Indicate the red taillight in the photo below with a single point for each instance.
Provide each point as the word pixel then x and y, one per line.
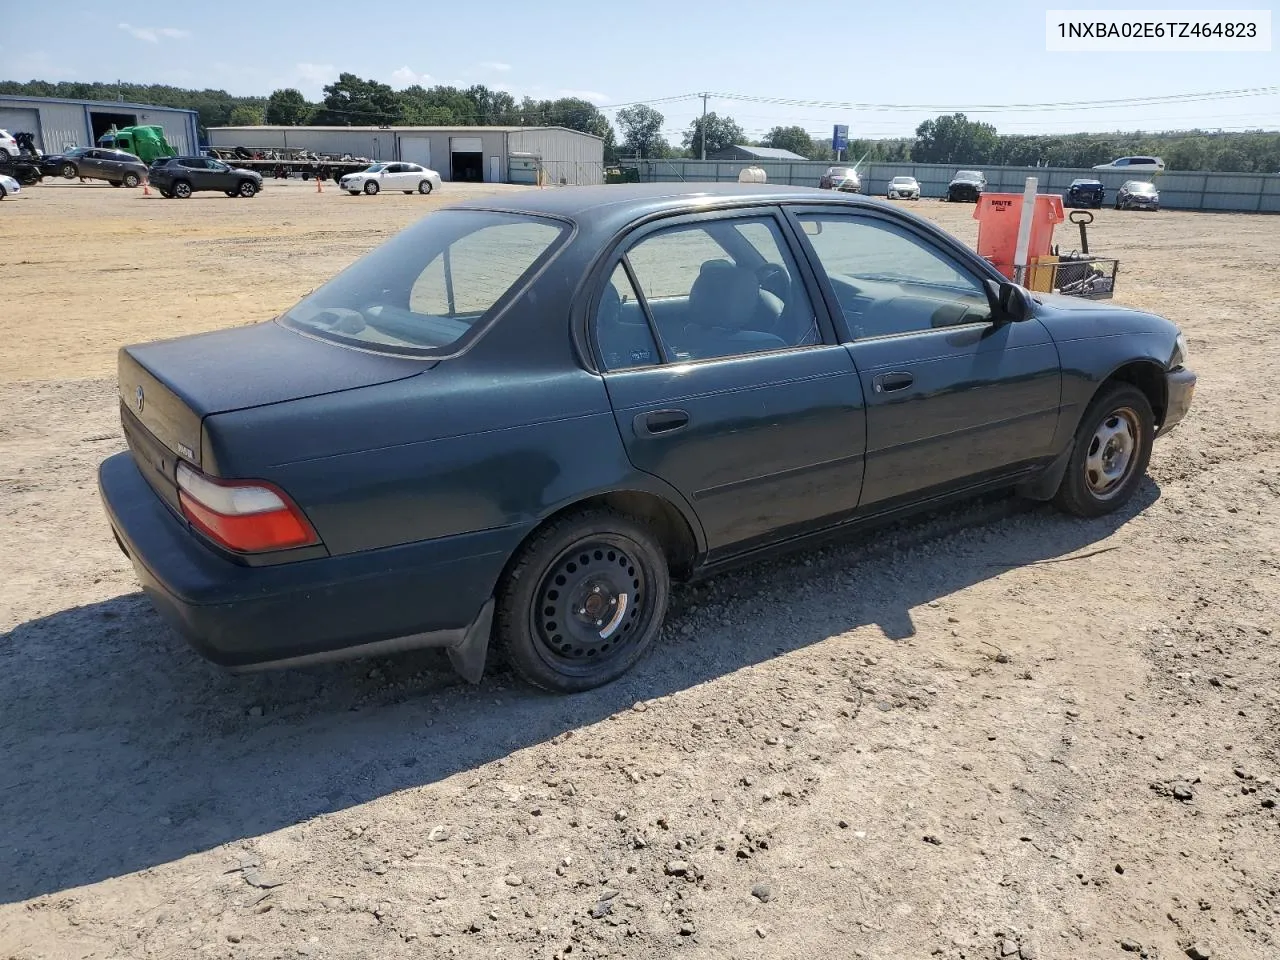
pixel 247 516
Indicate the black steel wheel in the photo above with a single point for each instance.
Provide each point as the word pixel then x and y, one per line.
pixel 1112 450
pixel 583 601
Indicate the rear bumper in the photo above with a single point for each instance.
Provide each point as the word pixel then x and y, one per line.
pixel 1181 386
pixel 434 593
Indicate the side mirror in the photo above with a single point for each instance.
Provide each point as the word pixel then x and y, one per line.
pixel 1009 302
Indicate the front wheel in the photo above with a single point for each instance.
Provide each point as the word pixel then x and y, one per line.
pixel 584 599
pixel 182 190
pixel 1112 450
pixel 371 188
pixel 131 180
pixel 248 189
pixel 424 187
pixel 68 171
pixel 167 194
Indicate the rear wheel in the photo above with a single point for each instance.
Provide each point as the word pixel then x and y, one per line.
pixel 131 180
pixel 424 186
pixel 116 183
pixel 231 193
pixel 168 195
pixel 1112 450
pixel 583 601
pixel 371 187
pixel 3 194
pixel 182 190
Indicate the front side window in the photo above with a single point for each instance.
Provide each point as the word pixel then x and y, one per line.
pixel 889 281
pixel 425 289
pixel 722 288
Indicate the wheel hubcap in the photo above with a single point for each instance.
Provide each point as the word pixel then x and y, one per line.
pixel 591 606
pixel 1111 453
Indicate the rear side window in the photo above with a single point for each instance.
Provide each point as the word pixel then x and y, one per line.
pixel 427 288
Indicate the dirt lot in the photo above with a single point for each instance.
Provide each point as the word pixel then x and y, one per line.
pixel 996 730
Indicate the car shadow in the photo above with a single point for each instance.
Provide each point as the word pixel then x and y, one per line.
pixel 123 749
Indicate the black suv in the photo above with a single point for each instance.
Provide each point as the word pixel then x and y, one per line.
pixel 1084 192
pixel 182 176
pixel 117 167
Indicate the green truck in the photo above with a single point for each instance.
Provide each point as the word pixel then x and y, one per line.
pixel 145 143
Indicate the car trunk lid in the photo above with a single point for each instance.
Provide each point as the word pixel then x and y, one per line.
pixel 167 388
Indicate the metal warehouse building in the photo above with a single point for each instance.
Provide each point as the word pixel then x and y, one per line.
pixel 489 154
pixel 61 124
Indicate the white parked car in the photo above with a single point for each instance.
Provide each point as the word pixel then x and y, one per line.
pixel 405 177
pixel 9 186
pixel 903 188
pixel 1134 165
pixel 8 144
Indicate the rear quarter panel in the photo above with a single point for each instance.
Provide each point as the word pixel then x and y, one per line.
pixel 450 451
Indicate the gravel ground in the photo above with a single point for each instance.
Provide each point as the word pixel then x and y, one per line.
pixel 995 732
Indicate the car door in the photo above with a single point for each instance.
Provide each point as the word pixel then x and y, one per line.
pixel 219 175
pixel 723 379
pixel 91 164
pixel 953 397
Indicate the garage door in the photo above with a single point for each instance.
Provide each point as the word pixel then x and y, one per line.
pixel 416 150
pixel 21 120
pixel 466 145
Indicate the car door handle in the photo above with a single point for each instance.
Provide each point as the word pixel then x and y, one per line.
pixel 660 421
pixel 888 382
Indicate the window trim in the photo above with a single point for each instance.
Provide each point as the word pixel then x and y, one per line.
pixel 963 259
pixel 639 232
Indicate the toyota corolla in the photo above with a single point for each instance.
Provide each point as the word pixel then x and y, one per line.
pixel 518 420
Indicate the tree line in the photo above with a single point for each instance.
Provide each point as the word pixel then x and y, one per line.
pixel 953 139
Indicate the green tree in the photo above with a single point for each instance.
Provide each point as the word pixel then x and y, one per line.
pixel 721 133
pixel 287 108
pixel 954 139
pixel 642 132
pixel 350 100
pixel 797 140
pixel 245 116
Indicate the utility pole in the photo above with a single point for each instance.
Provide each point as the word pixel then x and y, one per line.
pixel 704 125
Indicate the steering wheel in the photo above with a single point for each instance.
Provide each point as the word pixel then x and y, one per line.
pixel 774 279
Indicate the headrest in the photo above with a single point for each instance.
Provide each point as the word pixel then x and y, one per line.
pixel 723 296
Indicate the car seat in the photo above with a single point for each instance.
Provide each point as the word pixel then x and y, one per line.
pixel 623 344
pixel 724 301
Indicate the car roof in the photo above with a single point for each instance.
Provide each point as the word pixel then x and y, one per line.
pixel 636 199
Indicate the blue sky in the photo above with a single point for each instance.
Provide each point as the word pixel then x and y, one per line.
pixel 948 53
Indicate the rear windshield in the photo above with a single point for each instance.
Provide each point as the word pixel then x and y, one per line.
pixel 426 289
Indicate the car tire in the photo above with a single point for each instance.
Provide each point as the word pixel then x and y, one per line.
pixel 354 193
pixel 573 576
pixel 115 183
pixel 371 188
pixel 424 187
pixel 182 190
pixel 131 180
pixel 231 193
pixel 1111 453
pixel 167 194
pixel 68 171
pixel 247 189
pixel 2 192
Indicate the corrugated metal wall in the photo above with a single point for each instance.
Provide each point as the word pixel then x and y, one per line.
pixel 568 156
pixel 1253 193
pixel 64 125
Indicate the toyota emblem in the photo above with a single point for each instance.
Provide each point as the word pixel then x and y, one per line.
pixel 138 398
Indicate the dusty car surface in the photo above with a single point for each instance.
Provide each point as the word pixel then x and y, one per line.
pixel 522 416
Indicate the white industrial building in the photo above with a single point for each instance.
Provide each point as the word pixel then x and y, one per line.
pixel 60 124
pixel 489 154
